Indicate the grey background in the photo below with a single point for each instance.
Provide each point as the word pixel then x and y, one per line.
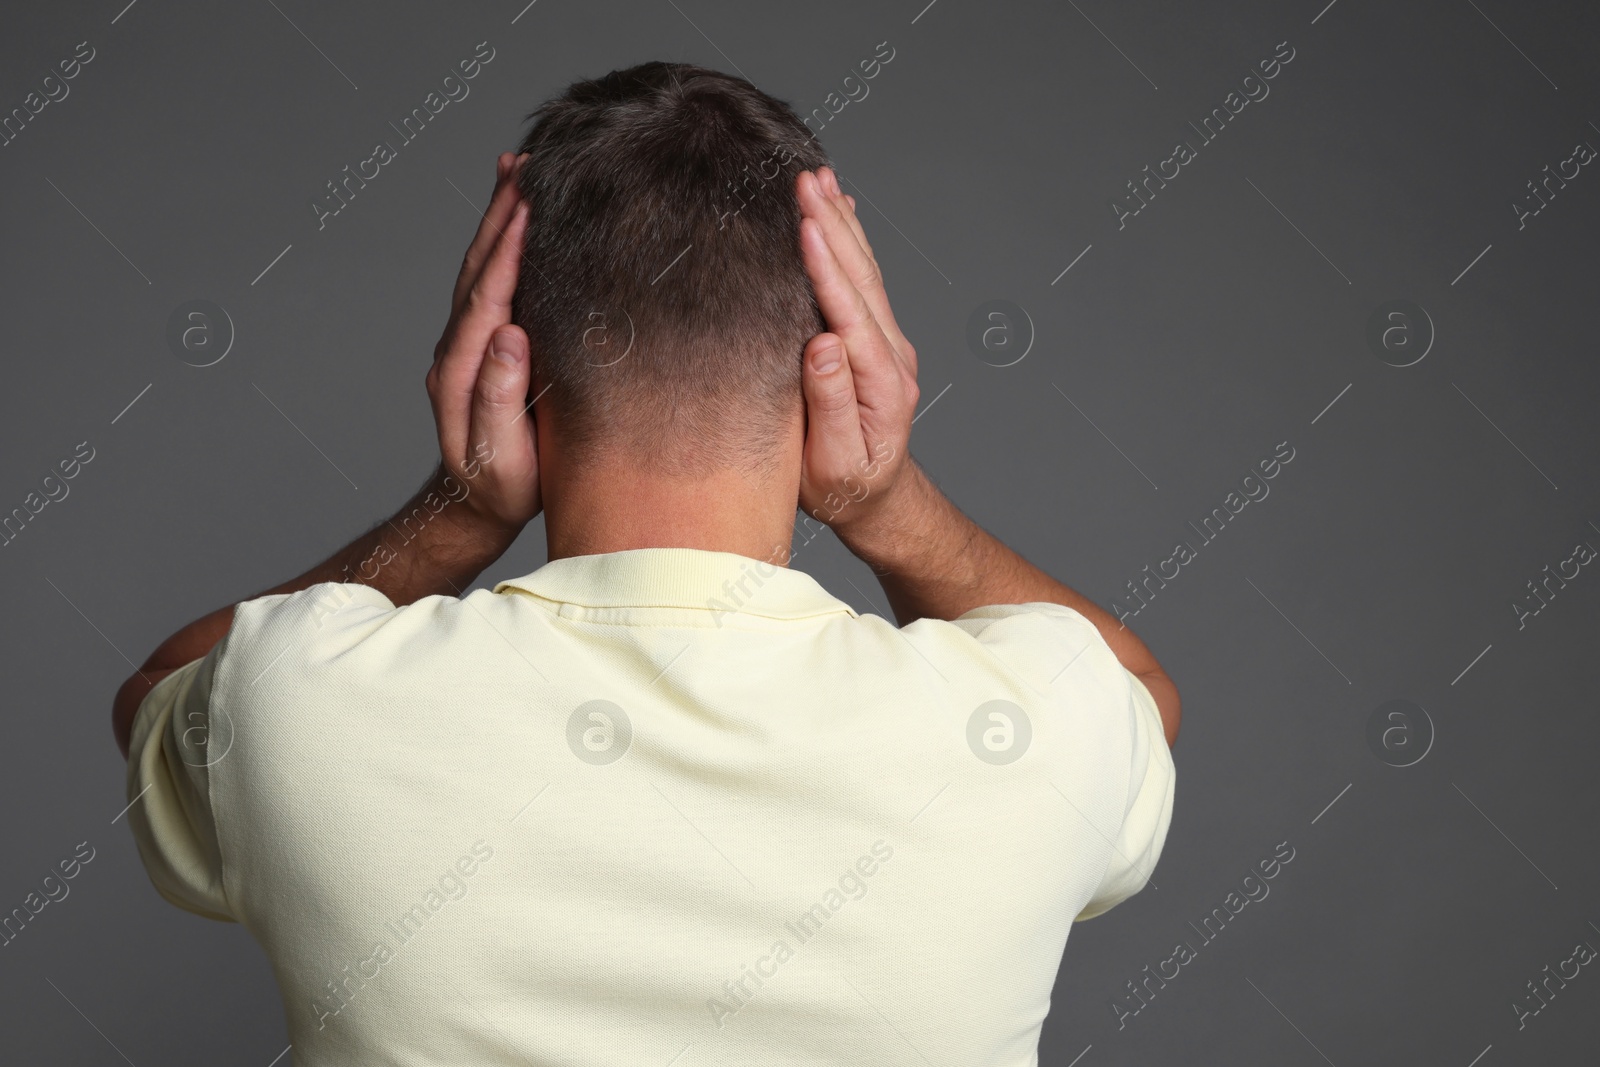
pixel 1223 319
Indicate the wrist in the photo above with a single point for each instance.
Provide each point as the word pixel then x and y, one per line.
pixel 929 557
pixel 465 533
pixel 895 533
pixel 435 542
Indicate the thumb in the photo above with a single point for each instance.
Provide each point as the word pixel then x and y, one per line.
pixel 833 422
pixel 500 393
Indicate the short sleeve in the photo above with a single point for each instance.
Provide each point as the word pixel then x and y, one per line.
pixel 1151 781
pixel 177 739
pixel 1052 645
pixel 182 736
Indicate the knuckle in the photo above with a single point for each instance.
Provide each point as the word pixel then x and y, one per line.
pixel 835 402
pixel 492 392
pixel 860 310
pixel 496 391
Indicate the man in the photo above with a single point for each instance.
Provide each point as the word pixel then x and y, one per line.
pixel 664 800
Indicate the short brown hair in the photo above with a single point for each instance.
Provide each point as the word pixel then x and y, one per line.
pixel 664 217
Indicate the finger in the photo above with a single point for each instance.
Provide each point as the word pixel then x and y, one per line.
pixel 892 327
pixel 486 307
pixel 490 223
pixel 501 204
pixel 499 426
pixel 847 207
pixel 818 203
pixel 873 361
pixel 834 443
pixel 857 262
pixel 496 284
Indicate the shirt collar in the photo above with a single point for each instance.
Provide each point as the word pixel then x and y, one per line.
pixel 718 582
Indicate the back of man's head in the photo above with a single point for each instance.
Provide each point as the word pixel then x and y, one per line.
pixel 663 289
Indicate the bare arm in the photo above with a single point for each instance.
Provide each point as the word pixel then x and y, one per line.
pixel 448 553
pixel 935 562
pixel 484 490
pixel 860 382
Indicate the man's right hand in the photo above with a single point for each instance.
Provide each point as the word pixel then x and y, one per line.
pixel 860 377
pixel 479 380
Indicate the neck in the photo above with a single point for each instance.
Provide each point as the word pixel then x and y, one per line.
pixel 616 506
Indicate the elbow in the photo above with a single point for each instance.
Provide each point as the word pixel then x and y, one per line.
pixel 125 705
pixel 1165 694
pixel 130 697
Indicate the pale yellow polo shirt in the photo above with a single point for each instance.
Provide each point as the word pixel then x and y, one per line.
pixel 658 808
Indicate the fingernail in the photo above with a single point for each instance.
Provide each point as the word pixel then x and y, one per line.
pixel 505 351
pixel 825 361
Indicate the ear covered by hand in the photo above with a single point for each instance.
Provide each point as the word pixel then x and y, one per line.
pixel 479 381
pixel 860 377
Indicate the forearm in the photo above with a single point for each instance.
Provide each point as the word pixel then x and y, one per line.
pixel 433 545
pixel 935 562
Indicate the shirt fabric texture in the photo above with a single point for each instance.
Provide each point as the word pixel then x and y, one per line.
pixel 655 806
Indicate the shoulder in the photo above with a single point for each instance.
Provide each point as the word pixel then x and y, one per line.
pixel 290 634
pixel 996 623
pixel 1050 645
pixel 336 631
pixel 305 616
